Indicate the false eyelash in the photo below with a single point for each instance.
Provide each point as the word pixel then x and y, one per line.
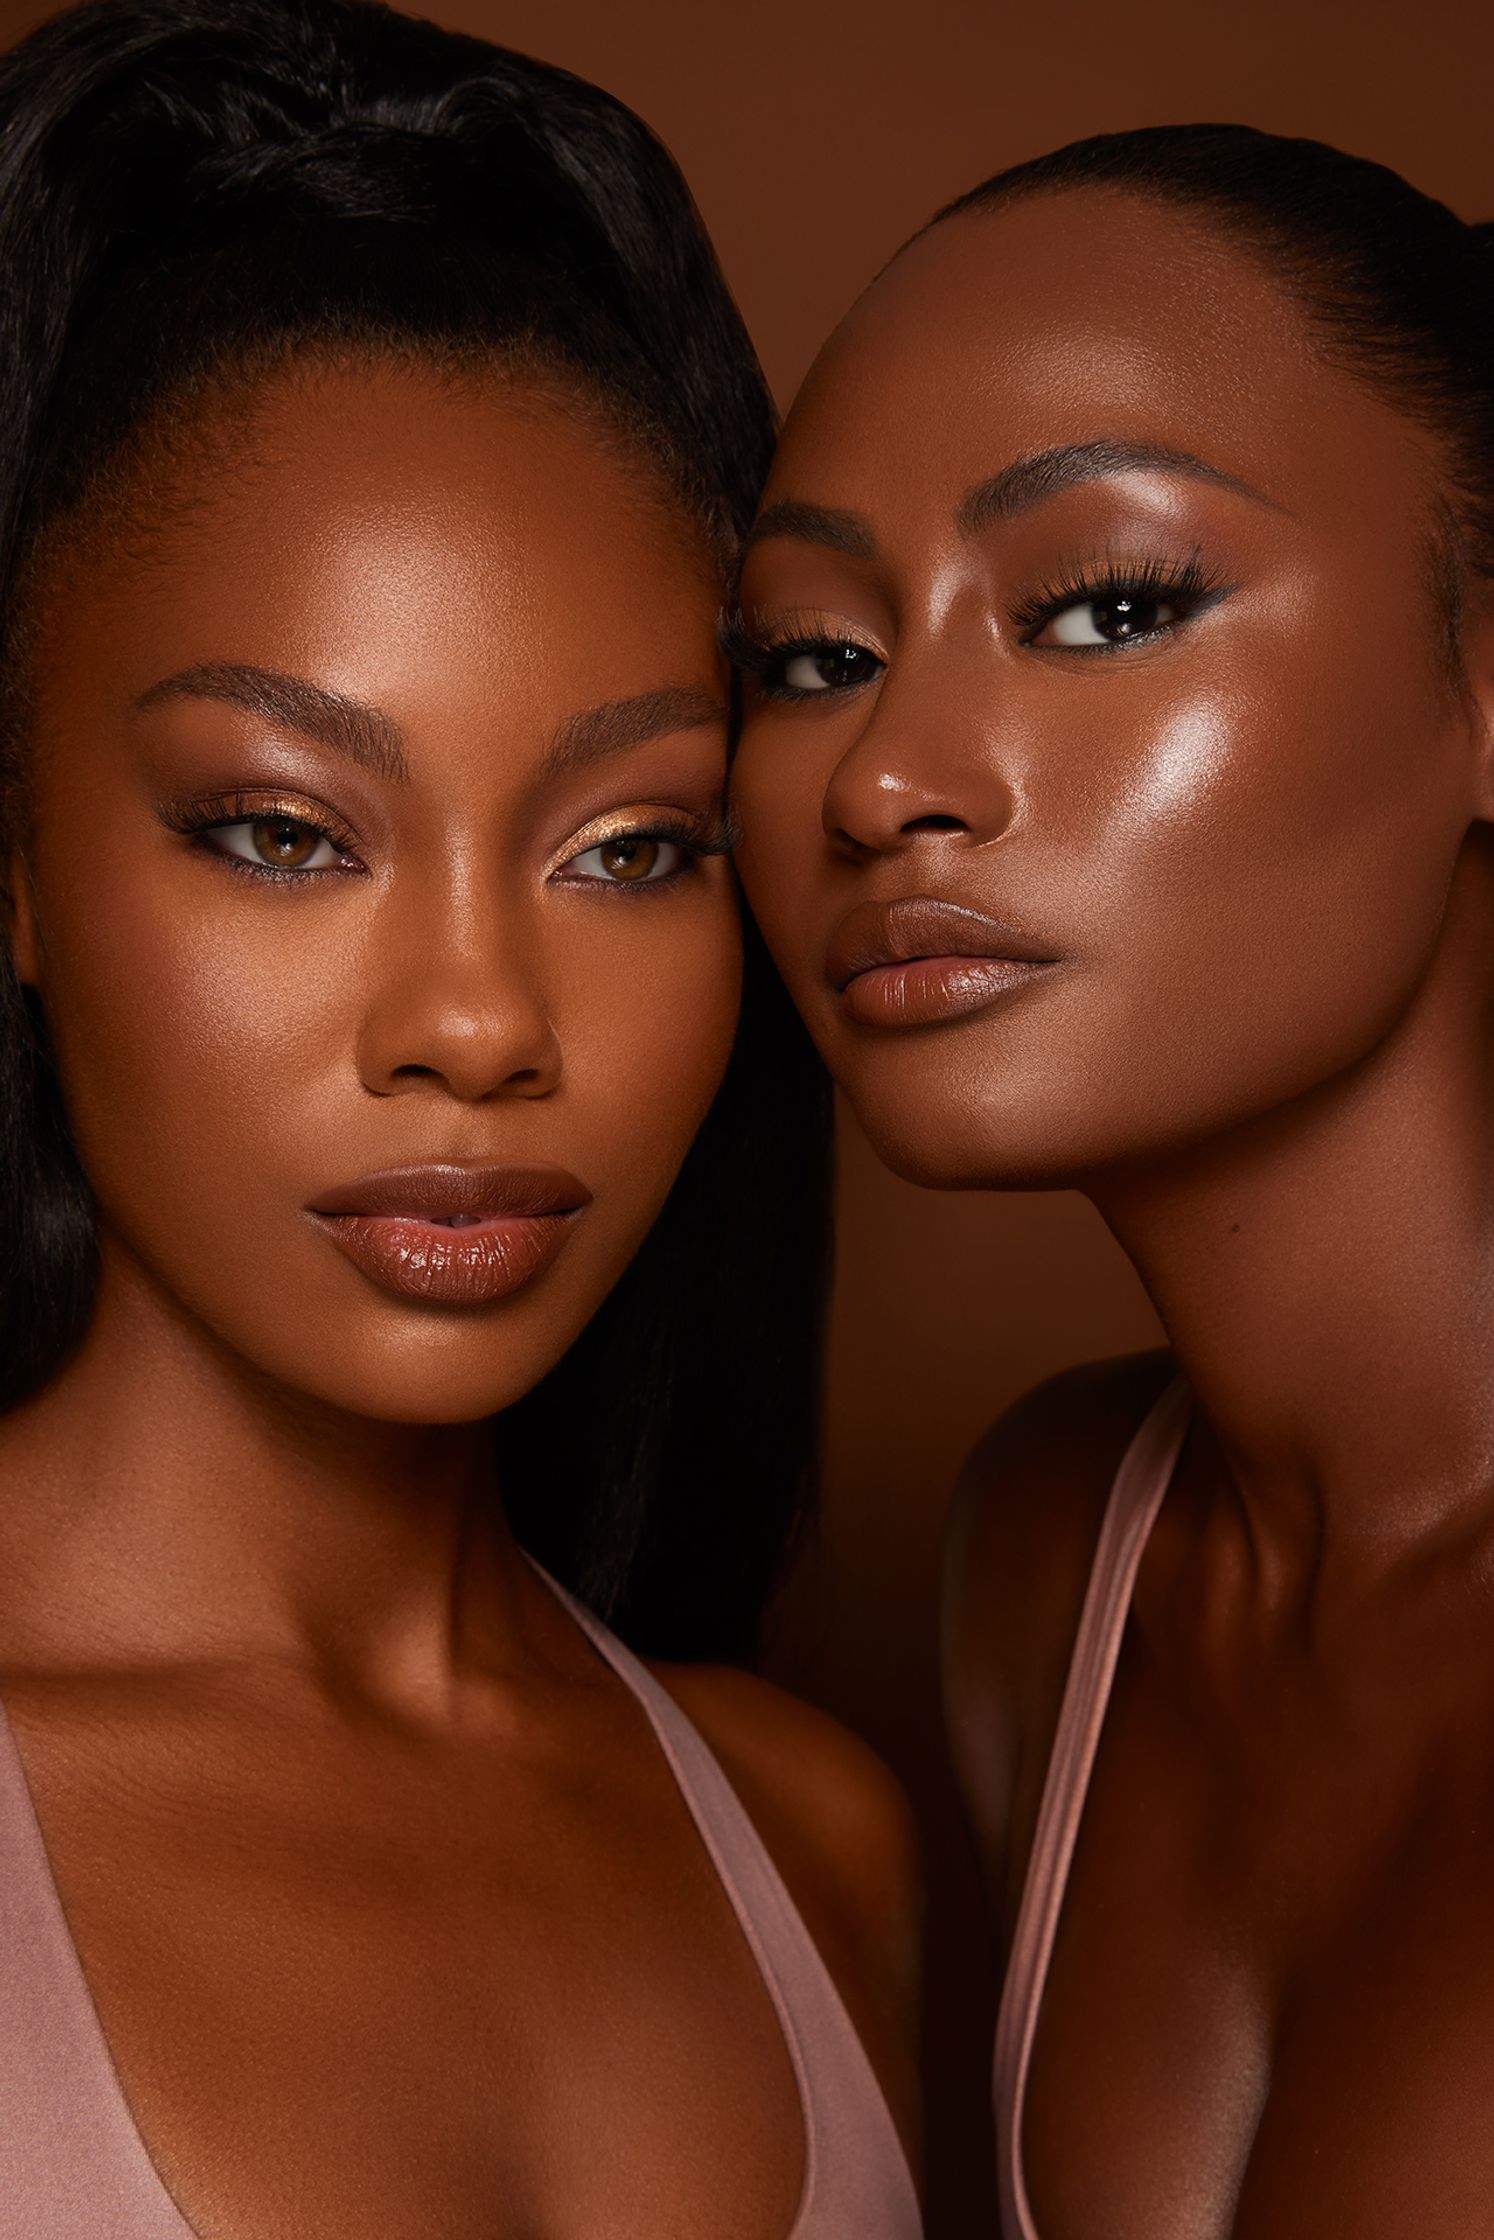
pixel 739 646
pixel 763 656
pixel 715 836
pixel 204 812
pixel 718 835
pixel 1187 585
pixel 795 632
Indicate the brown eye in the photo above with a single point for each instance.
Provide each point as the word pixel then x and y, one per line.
pixel 1108 622
pixel 276 844
pixel 827 668
pixel 629 859
pixel 630 856
pixel 283 842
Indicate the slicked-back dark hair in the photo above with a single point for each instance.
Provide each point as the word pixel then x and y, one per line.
pixel 1398 289
pixel 193 188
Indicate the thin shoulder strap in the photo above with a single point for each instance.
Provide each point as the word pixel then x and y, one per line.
pixel 856 2176
pixel 1135 1497
pixel 72 2159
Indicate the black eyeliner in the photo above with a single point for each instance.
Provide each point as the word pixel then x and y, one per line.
pixel 1188 585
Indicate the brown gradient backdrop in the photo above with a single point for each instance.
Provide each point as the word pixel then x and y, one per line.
pixel 817 135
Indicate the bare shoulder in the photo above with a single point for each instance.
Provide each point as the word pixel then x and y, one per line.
pixel 1027 1512
pixel 840 1831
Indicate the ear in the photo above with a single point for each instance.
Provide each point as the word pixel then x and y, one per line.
pixel 22 934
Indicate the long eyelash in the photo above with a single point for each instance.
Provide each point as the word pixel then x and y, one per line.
pixel 761 654
pixel 713 836
pixel 794 632
pixel 742 646
pixel 204 812
pixel 718 835
pixel 1188 585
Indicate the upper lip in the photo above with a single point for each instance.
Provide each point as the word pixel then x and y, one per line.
pixel 919 925
pixel 435 1192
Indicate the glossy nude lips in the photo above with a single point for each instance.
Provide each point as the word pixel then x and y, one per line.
pixel 452 1235
pixel 914 962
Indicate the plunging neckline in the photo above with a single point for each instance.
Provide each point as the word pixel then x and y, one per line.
pixel 29 1889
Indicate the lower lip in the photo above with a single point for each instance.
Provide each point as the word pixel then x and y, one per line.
pixel 431 1262
pixel 928 989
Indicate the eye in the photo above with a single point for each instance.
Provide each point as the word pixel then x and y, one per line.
pixel 1108 621
pixel 275 843
pixel 801 656
pixel 632 859
pixel 825 668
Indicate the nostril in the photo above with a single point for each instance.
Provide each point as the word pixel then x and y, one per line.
pixel 935 824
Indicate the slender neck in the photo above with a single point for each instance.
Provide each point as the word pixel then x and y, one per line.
pixel 1326 1277
pixel 164 1501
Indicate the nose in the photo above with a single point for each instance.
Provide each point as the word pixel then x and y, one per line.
pixel 900 781
pixel 460 1010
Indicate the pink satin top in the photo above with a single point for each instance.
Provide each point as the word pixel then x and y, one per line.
pixel 1135 1497
pixel 73 2165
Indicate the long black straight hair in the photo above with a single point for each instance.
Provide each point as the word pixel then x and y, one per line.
pixel 193 189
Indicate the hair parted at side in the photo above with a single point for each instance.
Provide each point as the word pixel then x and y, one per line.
pixel 190 189
pixel 1399 290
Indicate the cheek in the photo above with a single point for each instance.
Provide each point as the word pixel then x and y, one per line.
pixel 192 1039
pixel 1291 840
pixel 778 795
pixel 1258 880
pixel 649 992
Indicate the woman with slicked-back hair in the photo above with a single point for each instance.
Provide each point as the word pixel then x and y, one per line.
pixel 1117 790
pixel 412 1219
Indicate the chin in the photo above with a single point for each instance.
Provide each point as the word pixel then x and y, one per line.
pixel 953 1118
pixel 953 1149
pixel 429 1400
pixel 431 1376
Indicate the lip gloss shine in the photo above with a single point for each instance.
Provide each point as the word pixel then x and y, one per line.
pixel 453 1235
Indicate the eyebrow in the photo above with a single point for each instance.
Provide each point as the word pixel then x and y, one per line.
pixel 365 735
pixel 1044 474
pixel 618 725
pixel 826 525
pixel 372 739
pixel 1026 482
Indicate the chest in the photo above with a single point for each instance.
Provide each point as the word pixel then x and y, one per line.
pixel 497 1993
pixel 1270 2009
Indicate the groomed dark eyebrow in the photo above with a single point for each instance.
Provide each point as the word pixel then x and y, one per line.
pixel 1043 474
pixel 617 725
pixel 365 735
pixel 826 525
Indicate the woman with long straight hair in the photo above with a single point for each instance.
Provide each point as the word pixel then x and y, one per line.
pixel 413 1220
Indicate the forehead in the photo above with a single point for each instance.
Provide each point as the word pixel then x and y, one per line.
pixel 1075 316
pixel 395 530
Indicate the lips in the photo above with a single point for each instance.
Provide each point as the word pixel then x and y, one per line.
pixel 917 961
pixel 451 1234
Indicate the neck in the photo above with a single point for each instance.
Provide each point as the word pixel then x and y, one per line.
pixel 1326 1277
pixel 167 1503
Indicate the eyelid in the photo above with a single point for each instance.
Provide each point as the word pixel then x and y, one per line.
pixel 1188 583
pixel 746 642
pixel 714 834
pixel 207 812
